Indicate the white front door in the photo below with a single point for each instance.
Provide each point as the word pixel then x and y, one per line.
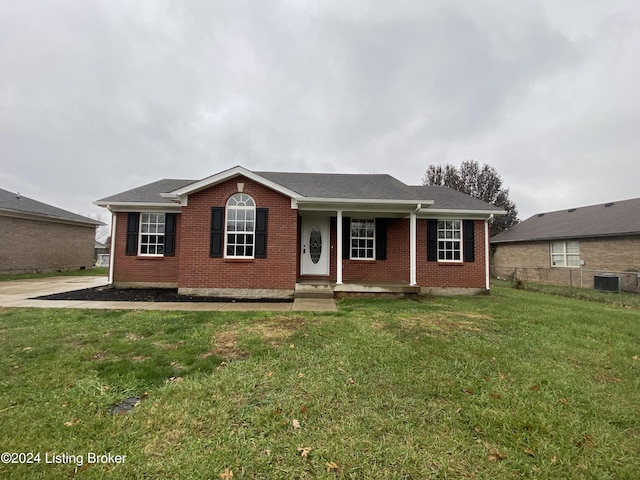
pixel 314 246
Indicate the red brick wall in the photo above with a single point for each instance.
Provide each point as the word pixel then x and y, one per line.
pixel 445 274
pixel 394 268
pixel 143 269
pixel 397 265
pixel 198 270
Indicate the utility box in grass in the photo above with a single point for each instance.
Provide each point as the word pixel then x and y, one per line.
pixel 606 282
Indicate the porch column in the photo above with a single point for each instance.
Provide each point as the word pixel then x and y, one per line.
pixel 412 249
pixel 487 272
pixel 112 251
pixel 339 247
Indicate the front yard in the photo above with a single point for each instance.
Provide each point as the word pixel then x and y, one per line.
pixel 516 384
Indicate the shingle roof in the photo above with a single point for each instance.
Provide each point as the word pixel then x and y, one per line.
pixel 149 193
pixel 446 198
pixel 324 186
pixel 19 204
pixel 339 185
pixel 605 219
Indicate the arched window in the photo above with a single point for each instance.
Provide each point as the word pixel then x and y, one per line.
pixel 240 227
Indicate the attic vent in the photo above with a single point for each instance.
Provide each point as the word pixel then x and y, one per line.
pixel 541 215
pixel 571 210
pixel 610 204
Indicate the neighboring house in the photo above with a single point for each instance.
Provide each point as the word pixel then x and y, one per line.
pixel 36 237
pixel 603 237
pixel 241 233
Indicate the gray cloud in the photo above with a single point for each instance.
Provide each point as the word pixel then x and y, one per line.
pixel 100 96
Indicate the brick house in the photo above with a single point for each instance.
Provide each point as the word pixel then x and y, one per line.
pixel 248 234
pixel 596 238
pixel 36 237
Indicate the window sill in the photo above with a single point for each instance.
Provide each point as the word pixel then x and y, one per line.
pixel 440 262
pixel 238 260
pixel 363 260
pixel 150 257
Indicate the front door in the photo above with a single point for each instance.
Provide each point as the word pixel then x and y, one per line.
pixel 314 246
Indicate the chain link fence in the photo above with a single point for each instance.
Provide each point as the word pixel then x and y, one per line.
pixel 570 277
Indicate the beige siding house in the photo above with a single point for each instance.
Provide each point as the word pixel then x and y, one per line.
pixel 586 240
pixel 36 237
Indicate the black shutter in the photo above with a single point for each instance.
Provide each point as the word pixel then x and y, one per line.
pixel 381 238
pixel 468 235
pixel 133 222
pixel 217 231
pixel 432 240
pixel 169 234
pixel 346 237
pixel 261 232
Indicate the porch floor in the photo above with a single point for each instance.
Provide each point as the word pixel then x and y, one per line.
pixel 319 288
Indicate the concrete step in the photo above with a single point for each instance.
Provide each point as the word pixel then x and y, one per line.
pixel 306 290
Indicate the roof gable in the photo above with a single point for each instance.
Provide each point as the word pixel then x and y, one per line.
pixel 602 220
pixel 19 205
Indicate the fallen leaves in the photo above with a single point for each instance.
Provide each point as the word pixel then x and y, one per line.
pixel 296 424
pixel 332 467
pixel 495 456
pixel 304 451
pixel 227 474
pixel 72 423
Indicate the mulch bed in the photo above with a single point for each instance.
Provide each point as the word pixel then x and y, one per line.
pixel 110 294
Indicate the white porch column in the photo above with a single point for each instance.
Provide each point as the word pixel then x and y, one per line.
pixel 112 251
pixel 339 248
pixel 487 254
pixel 412 249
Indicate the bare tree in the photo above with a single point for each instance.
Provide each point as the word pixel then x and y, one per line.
pixel 484 183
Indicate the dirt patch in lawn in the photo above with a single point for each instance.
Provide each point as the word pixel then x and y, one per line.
pixel 273 332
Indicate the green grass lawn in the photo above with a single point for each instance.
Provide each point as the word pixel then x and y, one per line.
pixel 98 271
pixel 512 385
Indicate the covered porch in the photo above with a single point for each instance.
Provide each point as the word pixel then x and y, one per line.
pixel 321 288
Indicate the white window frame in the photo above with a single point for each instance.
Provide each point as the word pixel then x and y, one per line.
pixel 152 226
pixel 453 243
pixel 369 226
pixel 240 215
pixel 562 255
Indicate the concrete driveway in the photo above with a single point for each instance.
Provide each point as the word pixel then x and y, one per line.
pixel 18 293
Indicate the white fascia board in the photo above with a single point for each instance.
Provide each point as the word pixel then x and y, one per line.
pixel 139 207
pixel 359 204
pixel 226 175
pixel 458 213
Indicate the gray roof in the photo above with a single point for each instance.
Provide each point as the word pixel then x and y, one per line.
pixel 326 186
pixel 603 220
pixel 19 204
pixel 446 198
pixel 149 193
pixel 341 185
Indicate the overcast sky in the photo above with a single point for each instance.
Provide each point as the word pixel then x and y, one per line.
pixel 97 97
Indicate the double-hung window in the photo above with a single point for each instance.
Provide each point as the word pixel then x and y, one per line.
pixel 152 227
pixel 363 239
pixel 449 240
pixel 565 254
pixel 240 226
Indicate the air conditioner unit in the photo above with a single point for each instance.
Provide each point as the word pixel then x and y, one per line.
pixel 606 282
